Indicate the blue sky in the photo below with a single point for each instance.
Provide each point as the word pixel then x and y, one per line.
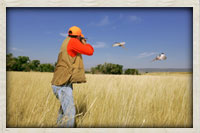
pixel 39 32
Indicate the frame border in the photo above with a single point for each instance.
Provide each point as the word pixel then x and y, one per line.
pixel 102 3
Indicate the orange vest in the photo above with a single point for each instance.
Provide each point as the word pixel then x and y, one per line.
pixel 68 69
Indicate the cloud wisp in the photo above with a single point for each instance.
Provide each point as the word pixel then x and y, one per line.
pixel 16 50
pixel 107 21
pixel 99 45
pixel 146 54
pixel 63 34
pixel 121 16
pixel 134 18
pixel 104 21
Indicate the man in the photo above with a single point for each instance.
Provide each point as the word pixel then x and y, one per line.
pixel 69 70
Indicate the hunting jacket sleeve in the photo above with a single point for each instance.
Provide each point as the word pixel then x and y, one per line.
pixel 75 46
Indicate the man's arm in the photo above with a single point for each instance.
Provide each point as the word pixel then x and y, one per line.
pixel 81 48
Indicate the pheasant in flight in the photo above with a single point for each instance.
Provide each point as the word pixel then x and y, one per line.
pixel 120 44
pixel 160 57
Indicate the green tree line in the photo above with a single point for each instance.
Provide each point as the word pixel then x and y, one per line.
pixel 23 63
pixel 109 68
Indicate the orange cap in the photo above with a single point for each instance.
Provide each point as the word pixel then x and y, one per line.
pixel 82 35
pixel 74 30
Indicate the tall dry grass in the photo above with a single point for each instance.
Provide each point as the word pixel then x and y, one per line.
pixel 104 101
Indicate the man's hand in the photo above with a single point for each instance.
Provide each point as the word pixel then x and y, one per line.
pixel 83 41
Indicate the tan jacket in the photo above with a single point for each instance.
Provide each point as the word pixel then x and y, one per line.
pixel 68 69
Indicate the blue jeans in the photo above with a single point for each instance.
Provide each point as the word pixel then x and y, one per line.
pixel 67 112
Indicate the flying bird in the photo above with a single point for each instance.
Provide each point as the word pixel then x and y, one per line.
pixel 120 44
pixel 160 57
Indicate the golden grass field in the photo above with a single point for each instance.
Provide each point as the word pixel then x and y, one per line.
pixel 150 100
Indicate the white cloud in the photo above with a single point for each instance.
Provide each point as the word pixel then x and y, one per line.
pixel 99 45
pixel 104 21
pixel 134 18
pixel 63 34
pixel 16 50
pixel 146 54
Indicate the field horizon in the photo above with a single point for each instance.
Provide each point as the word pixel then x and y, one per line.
pixel 144 70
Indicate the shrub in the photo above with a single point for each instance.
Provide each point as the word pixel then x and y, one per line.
pixel 107 68
pixel 131 71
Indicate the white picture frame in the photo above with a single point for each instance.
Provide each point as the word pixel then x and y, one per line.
pixel 100 3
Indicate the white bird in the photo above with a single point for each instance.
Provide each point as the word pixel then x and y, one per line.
pixel 121 44
pixel 160 57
